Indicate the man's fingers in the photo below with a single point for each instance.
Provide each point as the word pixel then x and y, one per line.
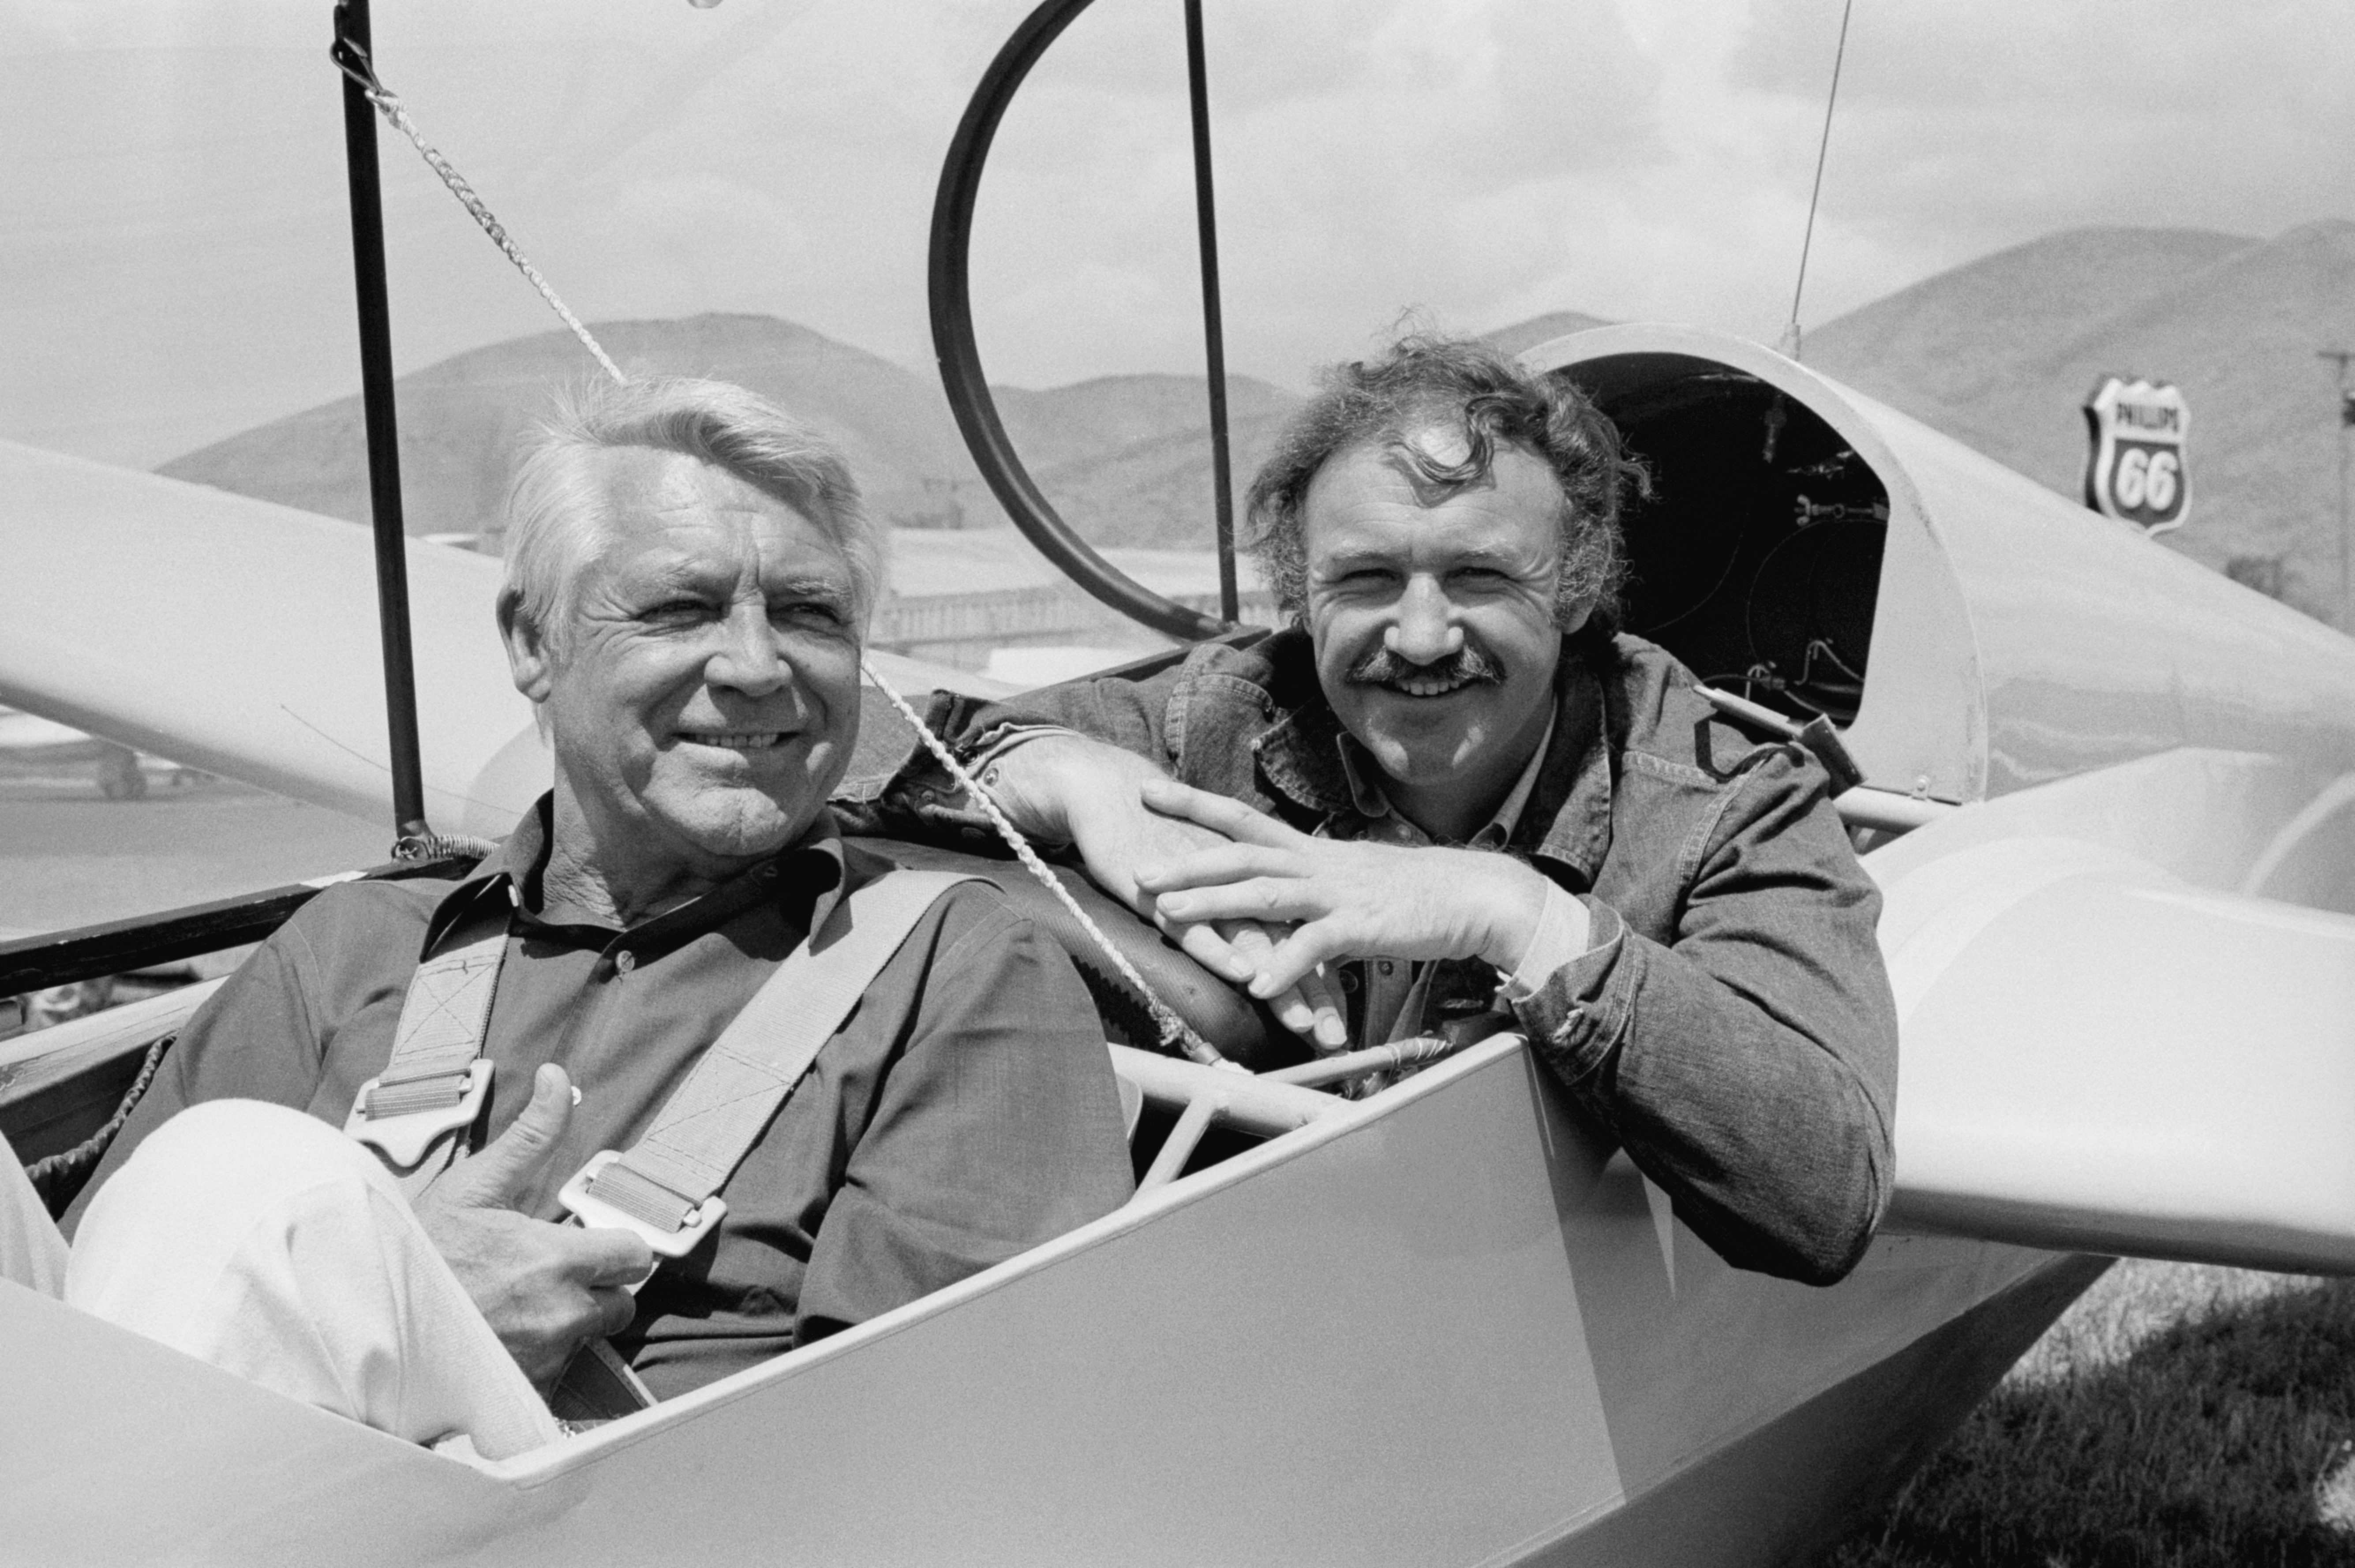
pixel 1257 898
pixel 1208 868
pixel 1231 817
pixel 1294 1012
pixel 616 1308
pixel 608 1255
pixel 1205 946
pixel 1295 957
pixel 1328 1024
pixel 1249 938
pixel 498 1176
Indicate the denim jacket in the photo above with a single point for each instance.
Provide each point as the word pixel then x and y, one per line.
pixel 1731 1022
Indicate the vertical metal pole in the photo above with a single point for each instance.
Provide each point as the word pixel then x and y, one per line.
pixel 2340 359
pixel 383 439
pixel 1206 227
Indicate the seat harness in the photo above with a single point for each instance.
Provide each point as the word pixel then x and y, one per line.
pixel 417 1113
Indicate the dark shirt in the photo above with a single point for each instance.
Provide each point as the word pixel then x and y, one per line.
pixel 964 1113
pixel 1731 1022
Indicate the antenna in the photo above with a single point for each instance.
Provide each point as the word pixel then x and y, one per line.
pixel 1790 344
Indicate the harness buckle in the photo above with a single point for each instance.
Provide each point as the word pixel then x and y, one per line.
pixel 401 1120
pixel 635 1202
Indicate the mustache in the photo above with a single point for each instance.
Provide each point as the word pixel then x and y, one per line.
pixel 1466 664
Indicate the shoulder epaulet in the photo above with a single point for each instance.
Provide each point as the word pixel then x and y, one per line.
pixel 1817 736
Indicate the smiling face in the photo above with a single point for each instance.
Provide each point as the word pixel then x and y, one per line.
pixel 1432 608
pixel 704 699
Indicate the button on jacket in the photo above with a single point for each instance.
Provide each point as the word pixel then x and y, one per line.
pixel 1731 1022
pixel 964 1113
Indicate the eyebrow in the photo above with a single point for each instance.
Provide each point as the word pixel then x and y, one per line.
pixel 685 572
pixel 824 590
pixel 1476 555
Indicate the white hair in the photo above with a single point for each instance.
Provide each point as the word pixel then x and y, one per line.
pixel 555 520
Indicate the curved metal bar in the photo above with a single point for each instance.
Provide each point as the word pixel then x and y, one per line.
pixel 961 373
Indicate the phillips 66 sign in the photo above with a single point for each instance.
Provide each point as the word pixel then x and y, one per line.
pixel 2134 470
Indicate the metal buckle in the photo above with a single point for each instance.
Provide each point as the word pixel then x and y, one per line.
pixel 592 1209
pixel 404 1138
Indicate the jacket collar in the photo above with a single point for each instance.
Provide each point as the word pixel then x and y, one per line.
pixel 506 883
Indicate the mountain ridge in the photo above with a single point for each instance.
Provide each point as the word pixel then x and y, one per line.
pixel 1999 352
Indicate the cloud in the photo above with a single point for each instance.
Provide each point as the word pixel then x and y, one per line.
pixel 1966 127
pixel 178 267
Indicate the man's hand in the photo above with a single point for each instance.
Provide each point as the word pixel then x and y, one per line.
pixel 1342 900
pixel 1068 789
pixel 545 1289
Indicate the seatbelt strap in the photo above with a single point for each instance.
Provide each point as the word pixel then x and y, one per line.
pixel 667 1186
pixel 415 1113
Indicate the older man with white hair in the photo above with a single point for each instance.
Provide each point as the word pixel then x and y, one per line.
pixel 688 577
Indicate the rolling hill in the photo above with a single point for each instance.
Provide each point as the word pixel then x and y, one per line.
pixel 460 421
pixel 1998 353
pixel 2001 353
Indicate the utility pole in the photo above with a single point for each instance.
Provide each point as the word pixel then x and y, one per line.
pixel 2339 358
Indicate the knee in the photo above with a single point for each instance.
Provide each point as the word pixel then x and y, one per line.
pixel 220 1182
pixel 238 1154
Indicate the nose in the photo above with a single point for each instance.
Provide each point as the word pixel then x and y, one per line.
pixel 747 658
pixel 1425 631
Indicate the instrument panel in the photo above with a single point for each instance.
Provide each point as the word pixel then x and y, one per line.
pixel 1756 556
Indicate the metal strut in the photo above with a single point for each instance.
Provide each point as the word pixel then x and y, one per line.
pixel 961 373
pixel 353 40
pixel 1214 337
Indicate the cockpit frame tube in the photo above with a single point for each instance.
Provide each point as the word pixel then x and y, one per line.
pixel 1214 332
pixel 370 294
pixel 960 356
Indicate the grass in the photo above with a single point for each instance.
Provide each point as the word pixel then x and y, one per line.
pixel 2175 1416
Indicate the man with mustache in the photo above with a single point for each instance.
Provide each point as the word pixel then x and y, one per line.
pixel 1449 786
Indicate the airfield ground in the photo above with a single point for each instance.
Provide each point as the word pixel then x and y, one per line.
pixel 2177 1417
pixel 69 856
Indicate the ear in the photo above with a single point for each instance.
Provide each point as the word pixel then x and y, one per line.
pixel 529 659
pixel 1572 617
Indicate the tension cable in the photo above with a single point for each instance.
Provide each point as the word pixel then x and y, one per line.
pixel 353 61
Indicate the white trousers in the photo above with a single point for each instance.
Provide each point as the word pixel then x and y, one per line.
pixel 268 1243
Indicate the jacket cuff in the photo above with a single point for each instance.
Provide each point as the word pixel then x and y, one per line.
pixel 919 798
pixel 1579 1013
pixel 1563 937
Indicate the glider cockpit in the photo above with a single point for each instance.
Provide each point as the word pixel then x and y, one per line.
pixel 1756 556
pixel 2129 774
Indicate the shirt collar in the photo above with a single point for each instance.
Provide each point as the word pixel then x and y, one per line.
pixel 1373 802
pixel 506 884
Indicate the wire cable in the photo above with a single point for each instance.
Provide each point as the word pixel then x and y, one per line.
pixel 1791 333
pixel 354 62
pixel 1176 1033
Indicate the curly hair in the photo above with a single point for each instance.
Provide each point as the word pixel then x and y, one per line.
pixel 1424 380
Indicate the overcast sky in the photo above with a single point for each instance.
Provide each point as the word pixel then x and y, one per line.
pixel 174 265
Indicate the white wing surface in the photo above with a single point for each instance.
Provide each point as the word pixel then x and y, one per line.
pixel 2099 1055
pixel 240 636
